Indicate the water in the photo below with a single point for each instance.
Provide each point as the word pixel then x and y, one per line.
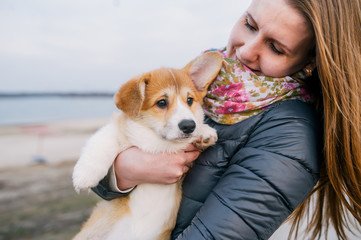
pixel 36 110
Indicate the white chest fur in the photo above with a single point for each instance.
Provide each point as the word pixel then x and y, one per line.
pixel 152 206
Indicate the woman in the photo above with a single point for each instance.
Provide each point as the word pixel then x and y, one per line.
pixel 264 167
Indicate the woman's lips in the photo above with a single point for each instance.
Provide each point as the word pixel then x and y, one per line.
pixel 254 71
pixel 247 68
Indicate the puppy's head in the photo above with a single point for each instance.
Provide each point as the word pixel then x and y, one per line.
pixel 168 101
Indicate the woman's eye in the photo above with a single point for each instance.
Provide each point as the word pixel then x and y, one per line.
pixel 162 103
pixel 189 101
pixel 248 25
pixel 275 50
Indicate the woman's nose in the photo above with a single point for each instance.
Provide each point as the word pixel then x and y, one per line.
pixel 249 52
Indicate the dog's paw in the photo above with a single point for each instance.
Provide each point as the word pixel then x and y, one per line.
pixel 86 176
pixel 208 138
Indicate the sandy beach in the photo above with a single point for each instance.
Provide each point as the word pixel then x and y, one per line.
pixel 50 143
pixel 37 200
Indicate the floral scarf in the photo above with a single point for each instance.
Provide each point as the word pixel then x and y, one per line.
pixel 237 93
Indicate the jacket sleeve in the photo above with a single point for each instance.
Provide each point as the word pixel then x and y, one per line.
pixel 105 190
pixel 265 180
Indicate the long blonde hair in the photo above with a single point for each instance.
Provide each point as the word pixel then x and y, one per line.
pixel 337 29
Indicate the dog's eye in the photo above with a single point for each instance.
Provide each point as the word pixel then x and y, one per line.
pixel 189 101
pixel 162 103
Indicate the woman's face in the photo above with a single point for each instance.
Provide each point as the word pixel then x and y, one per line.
pixel 271 39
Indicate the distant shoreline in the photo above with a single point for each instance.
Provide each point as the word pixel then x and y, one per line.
pixel 33 108
pixel 56 94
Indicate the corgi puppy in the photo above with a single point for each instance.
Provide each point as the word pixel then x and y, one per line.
pixel 160 112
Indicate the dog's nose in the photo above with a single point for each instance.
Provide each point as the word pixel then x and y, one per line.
pixel 187 126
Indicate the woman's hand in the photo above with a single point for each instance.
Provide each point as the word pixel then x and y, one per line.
pixel 133 167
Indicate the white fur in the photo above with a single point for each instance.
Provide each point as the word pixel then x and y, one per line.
pixel 97 157
pixel 150 206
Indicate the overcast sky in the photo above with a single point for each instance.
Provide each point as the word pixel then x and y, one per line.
pixel 96 45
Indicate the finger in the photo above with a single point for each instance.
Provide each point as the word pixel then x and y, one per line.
pixel 191 148
pixel 173 180
pixel 191 156
pixel 177 177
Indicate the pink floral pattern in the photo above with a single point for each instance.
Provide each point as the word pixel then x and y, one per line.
pixel 237 93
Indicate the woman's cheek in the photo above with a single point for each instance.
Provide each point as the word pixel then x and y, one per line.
pixel 272 68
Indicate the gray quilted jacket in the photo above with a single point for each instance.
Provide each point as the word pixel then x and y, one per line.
pixel 259 171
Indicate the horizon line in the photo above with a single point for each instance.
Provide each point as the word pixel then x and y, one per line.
pixel 57 94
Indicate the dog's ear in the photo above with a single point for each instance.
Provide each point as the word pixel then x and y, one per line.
pixel 130 96
pixel 204 69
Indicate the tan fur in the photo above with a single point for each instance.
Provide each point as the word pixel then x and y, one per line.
pixel 103 218
pixel 129 97
pixel 142 118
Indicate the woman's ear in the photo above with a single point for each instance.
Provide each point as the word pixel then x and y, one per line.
pixel 130 96
pixel 204 69
pixel 310 66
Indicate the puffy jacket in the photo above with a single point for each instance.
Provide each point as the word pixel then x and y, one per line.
pixel 259 171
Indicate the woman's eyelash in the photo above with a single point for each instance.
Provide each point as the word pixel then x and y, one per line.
pixel 275 50
pixel 248 25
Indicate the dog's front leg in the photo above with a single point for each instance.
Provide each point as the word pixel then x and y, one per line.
pixel 97 157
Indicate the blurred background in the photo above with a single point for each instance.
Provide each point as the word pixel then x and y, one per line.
pixel 61 61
